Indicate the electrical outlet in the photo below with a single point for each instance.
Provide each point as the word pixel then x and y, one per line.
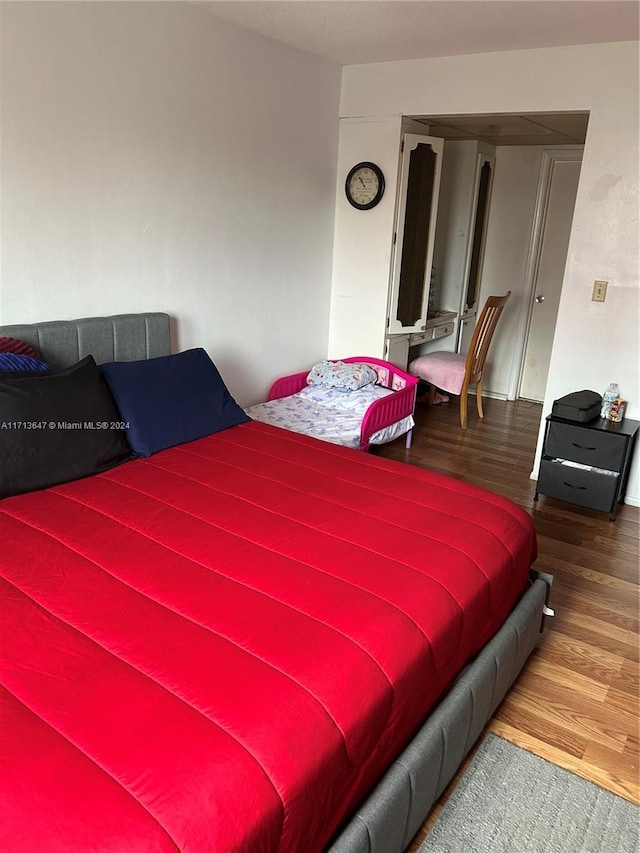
pixel 599 291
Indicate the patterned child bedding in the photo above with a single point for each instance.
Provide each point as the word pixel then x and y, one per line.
pixel 329 414
pixel 222 646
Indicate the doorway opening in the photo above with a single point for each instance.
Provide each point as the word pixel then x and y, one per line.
pixel 506 226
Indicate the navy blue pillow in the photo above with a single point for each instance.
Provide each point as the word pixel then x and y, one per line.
pixel 172 399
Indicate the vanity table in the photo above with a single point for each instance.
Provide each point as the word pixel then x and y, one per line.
pixel 439 324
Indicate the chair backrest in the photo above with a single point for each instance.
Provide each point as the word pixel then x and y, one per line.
pixel 482 334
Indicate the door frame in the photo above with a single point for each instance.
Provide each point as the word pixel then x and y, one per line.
pixel 550 156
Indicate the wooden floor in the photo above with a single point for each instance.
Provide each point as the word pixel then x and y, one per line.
pixel 576 702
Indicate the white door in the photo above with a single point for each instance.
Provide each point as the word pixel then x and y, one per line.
pixel 548 281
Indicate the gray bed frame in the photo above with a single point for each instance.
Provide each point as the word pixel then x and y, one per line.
pixel 388 819
pixel 123 337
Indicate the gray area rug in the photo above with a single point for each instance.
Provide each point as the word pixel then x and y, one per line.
pixel 510 801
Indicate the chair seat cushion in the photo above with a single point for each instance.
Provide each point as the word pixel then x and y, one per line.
pixel 445 370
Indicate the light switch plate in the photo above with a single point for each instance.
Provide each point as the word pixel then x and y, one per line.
pixel 599 291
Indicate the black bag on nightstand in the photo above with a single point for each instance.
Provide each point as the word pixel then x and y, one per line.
pixel 579 406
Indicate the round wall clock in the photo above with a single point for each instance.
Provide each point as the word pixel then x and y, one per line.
pixel 364 186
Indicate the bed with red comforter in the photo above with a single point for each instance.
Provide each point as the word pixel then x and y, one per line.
pixel 217 648
pixel 223 646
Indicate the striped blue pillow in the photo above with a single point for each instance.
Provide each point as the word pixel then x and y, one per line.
pixel 11 361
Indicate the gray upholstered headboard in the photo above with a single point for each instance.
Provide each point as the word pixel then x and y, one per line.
pixel 122 337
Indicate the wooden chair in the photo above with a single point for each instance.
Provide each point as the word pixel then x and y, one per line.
pixel 454 373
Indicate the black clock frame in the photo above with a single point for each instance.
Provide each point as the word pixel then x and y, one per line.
pixel 378 196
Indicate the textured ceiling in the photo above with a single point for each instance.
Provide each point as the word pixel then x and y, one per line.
pixel 524 129
pixel 351 32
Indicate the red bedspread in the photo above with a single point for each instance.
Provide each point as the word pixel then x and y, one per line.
pixel 220 648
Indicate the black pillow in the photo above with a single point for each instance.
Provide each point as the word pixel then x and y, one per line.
pixel 58 427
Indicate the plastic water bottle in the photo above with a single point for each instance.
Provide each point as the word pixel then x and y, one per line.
pixel 612 393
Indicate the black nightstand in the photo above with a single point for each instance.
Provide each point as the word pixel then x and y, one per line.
pixel 601 454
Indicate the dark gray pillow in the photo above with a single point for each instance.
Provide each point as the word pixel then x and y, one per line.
pixel 57 427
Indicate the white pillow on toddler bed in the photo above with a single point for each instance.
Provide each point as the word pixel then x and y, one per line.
pixel 341 376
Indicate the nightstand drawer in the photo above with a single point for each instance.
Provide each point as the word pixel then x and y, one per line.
pixel 587 446
pixel 577 486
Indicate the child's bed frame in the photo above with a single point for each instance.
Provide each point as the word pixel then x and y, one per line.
pixel 384 412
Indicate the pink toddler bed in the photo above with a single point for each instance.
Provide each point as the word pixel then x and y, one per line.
pixel 375 414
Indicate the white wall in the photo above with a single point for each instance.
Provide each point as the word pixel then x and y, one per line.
pixel 363 241
pixel 594 343
pixel 156 158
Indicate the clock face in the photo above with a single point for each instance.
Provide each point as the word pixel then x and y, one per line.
pixel 364 186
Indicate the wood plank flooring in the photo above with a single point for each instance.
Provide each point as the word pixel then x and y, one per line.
pixel 576 703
